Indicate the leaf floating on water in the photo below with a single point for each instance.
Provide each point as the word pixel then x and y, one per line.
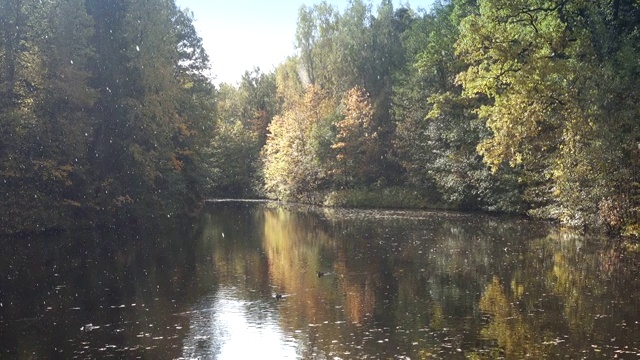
pixel 555 341
pixel 89 327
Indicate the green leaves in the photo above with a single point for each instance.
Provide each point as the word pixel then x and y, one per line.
pixel 545 70
pixel 99 102
pixel 476 104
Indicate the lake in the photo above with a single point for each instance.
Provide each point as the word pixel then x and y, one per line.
pixel 271 281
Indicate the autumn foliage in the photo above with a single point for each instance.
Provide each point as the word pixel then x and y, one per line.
pixel 355 141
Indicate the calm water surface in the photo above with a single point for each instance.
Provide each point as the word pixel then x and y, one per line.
pixel 243 282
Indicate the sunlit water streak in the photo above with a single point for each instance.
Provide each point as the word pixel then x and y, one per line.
pixel 229 327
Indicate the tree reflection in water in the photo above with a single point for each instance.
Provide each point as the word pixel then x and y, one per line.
pixel 397 284
pixel 421 284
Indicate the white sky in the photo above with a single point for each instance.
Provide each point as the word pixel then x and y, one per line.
pixel 239 35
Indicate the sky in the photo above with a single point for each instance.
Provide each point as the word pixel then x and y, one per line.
pixel 239 35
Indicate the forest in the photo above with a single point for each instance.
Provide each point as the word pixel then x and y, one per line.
pixel 108 112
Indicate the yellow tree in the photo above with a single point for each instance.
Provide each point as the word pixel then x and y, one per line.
pixel 292 166
pixel 356 139
pixel 518 58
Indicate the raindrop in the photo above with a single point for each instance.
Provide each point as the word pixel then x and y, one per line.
pixel 137 48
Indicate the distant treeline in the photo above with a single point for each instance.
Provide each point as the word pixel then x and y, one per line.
pixel 528 106
pixel 525 106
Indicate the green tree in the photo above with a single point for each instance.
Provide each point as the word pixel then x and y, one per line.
pixel 316 31
pixel 547 73
pixel 44 52
pixel 358 47
pixel 437 131
pixel 232 154
pixel 153 110
pixel 231 160
pixel 289 84
pixel 243 116
pixel 257 92
pixel 104 107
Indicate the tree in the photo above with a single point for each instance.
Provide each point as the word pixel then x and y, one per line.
pixel 316 31
pixel 356 140
pixel 257 92
pixel 544 68
pixel 153 110
pixel 289 83
pixel 44 53
pixel 356 48
pixel 292 160
pixel 104 109
pixel 437 131
pixel 231 160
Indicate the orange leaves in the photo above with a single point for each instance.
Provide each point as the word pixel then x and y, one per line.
pixel 176 163
pixel 309 143
pixel 357 112
pixel 185 131
pixel 356 139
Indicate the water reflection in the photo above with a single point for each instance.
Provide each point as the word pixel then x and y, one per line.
pixel 225 326
pixel 244 283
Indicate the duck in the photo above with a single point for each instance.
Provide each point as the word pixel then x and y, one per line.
pixel 278 296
